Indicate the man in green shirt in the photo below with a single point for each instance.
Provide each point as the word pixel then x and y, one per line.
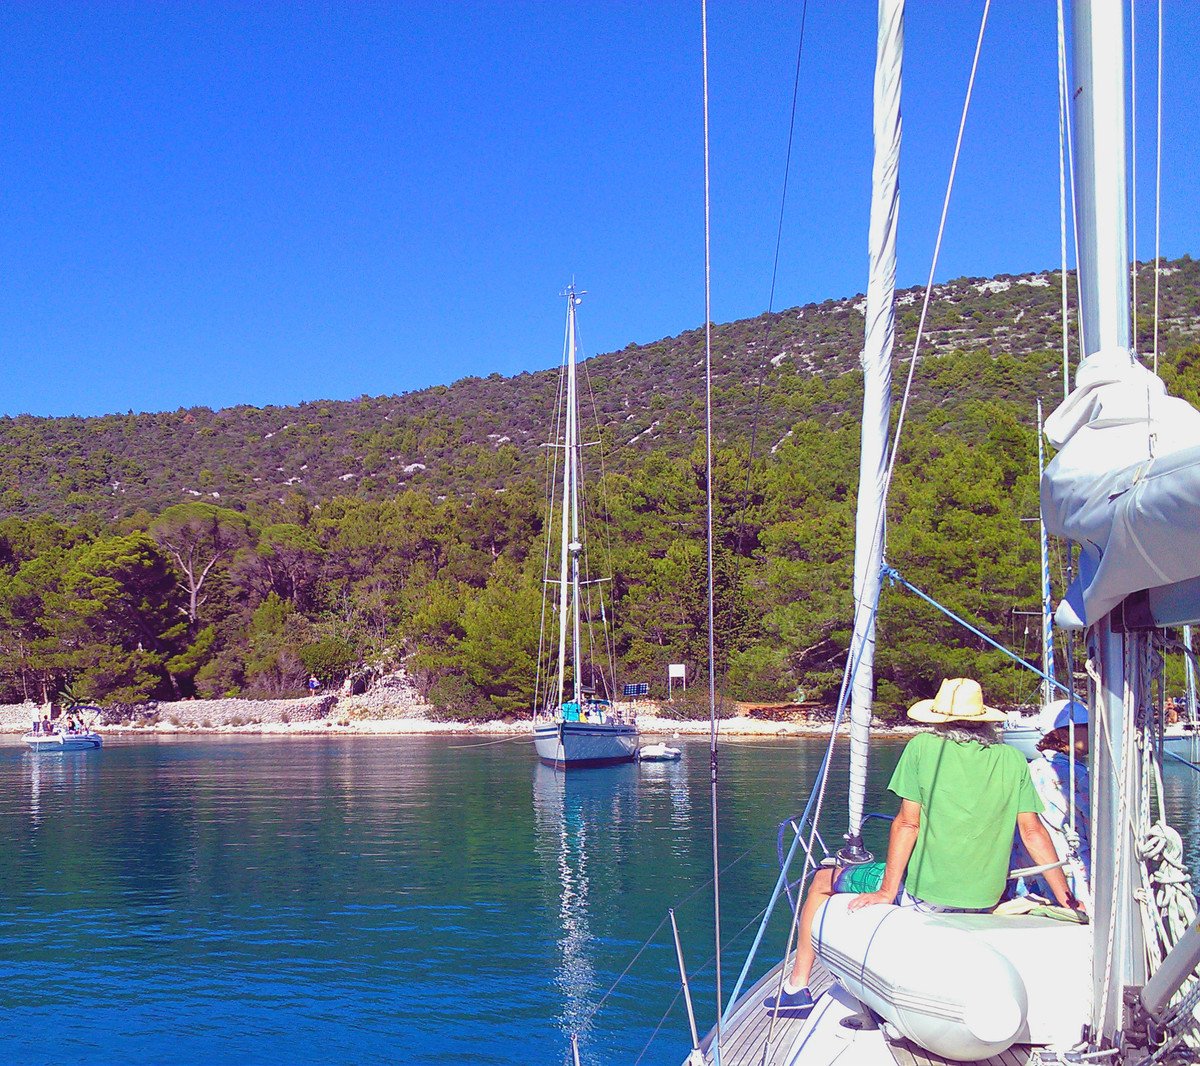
pixel 962 794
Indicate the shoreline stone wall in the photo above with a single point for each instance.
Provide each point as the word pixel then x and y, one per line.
pixel 18 717
pixel 209 714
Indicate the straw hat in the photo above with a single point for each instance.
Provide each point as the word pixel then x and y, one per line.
pixel 960 699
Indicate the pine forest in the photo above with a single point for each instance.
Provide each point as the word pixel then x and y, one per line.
pixel 238 552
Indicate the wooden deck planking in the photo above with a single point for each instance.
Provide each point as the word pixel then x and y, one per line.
pixel 907 1053
pixel 744 1041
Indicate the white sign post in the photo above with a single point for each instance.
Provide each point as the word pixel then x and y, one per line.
pixel 676 670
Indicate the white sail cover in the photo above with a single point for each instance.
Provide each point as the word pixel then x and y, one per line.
pixel 1125 485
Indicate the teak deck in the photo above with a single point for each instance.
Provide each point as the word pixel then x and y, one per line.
pixel 754 1038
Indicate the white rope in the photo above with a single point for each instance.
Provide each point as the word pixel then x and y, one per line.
pixel 1168 904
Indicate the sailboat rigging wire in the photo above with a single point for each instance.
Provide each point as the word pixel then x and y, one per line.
pixel 1133 172
pixel 758 386
pixel 895 577
pixel 551 478
pixel 1180 758
pixel 489 743
pixel 812 814
pixel 658 928
pixel 937 248
pixel 606 528
pixel 661 1022
pixel 787 164
pixel 1064 119
pixel 712 664
pixel 1065 97
pixel 1158 184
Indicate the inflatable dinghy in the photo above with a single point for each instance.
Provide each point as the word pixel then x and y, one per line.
pixel 965 986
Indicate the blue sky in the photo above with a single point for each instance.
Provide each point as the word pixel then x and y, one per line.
pixel 224 203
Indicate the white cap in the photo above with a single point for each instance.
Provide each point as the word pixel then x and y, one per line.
pixel 1060 713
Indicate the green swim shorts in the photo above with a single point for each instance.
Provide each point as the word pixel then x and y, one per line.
pixel 862 877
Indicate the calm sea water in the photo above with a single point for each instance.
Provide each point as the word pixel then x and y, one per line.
pixel 417 900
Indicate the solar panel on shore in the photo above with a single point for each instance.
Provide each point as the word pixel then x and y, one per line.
pixel 636 690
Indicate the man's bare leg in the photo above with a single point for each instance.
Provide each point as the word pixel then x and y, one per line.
pixel 819 891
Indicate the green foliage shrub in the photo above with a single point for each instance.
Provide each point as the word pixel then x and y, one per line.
pixel 329 660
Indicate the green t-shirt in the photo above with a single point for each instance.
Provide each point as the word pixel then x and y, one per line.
pixel 970 795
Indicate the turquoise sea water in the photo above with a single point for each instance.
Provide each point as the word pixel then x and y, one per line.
pixel 377 900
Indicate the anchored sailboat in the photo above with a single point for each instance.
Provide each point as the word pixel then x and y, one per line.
pixel 575 722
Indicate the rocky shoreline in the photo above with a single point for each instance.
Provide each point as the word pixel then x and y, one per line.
pixel 377 713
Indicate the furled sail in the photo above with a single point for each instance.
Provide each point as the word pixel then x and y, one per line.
pixel 877 389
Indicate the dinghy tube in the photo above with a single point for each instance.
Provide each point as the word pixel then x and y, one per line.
pixel 943 989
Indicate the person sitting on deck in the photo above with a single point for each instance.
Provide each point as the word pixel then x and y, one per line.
pixel 962 792
pixel 1051 776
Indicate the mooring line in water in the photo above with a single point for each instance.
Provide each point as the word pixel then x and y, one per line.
pixel 489 743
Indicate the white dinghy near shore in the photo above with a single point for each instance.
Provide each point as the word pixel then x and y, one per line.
pixel 659 753
pixel 65 740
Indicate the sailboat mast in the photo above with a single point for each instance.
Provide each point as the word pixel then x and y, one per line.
pixel 564 587
pixel 1047 599
pixel 877 389
pixel 1100 193
pixel 573 477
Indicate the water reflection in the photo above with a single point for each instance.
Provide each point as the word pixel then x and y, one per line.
pixel 1181 797
pixel 581 820
pixel 61 774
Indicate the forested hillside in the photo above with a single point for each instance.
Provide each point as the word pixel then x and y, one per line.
pixel 241 550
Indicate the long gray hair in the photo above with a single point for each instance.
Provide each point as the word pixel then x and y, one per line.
pixel 984 733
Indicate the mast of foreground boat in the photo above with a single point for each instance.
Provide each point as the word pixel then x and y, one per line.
pixel 877 388
pixel 1100 193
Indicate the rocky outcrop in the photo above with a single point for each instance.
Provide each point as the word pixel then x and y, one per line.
pixel 18 717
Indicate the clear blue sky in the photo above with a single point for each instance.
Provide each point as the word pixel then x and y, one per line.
pixel 223 203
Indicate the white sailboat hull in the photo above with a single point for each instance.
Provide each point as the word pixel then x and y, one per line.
pixel 1181 740
pixel 63 741
pixel 1022 736
pixel 579 744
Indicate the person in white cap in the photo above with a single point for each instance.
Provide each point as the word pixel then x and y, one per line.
pixel 1061 757
pixel 962 794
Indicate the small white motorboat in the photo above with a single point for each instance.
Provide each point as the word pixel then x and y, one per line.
pixel 64 740
pixel 658 753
